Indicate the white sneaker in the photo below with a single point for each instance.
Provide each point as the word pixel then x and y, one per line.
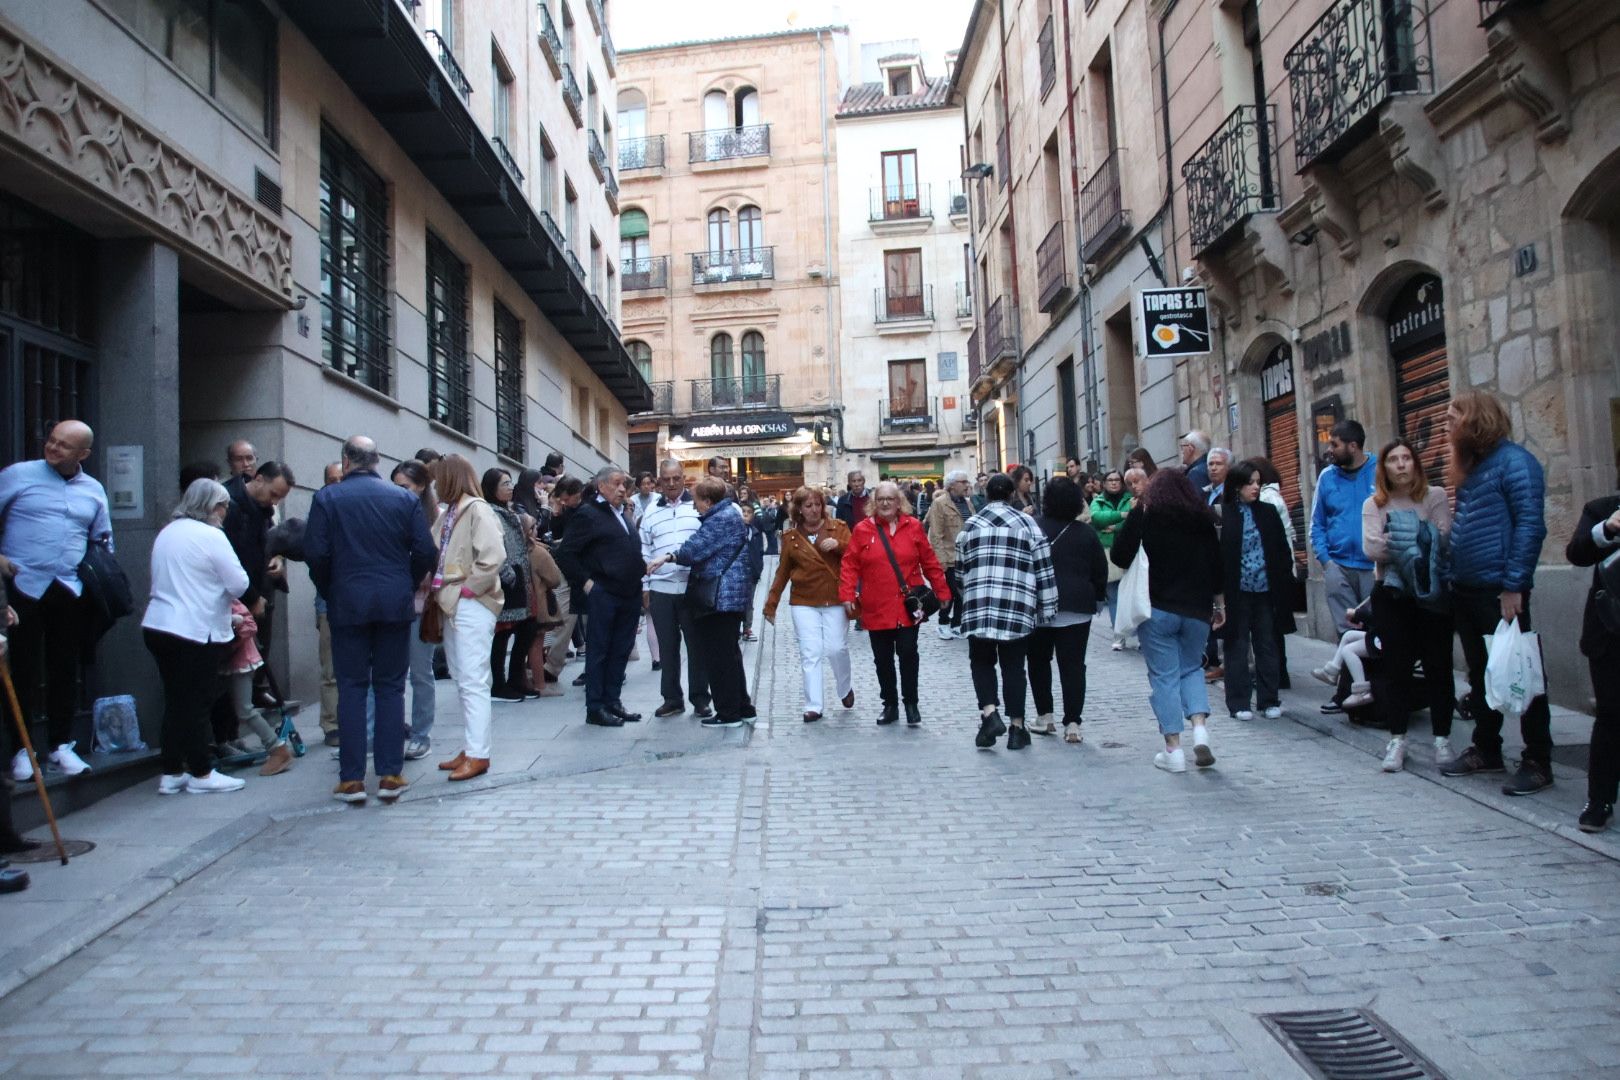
pixel 171 785
pixel 1273 713
pixel 215 781
pixel 70 763
pixel 1443 753
pixel 1395 754
pixel 1118 646
pixel 1243 714
pixel 21 770
pixel 1202 755
pixel 944 633
pixel 1171 760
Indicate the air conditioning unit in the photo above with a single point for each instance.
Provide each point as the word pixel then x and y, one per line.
pixel 959 204
pixel 970 419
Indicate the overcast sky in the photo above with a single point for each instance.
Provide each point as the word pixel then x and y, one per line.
pixel 939 24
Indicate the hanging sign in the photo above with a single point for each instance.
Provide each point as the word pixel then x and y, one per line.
pixel 1277 377
pixel 1175 322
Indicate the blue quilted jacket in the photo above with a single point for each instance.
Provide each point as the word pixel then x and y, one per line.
pixel 1500 522
pixel 718 549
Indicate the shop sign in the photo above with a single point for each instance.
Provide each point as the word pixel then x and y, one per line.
pixel 1417 315
pixel 1175 322
pixel 1277 377
pixel 748 426
pixel 742 451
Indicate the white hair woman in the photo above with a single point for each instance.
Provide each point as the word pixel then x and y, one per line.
pixel 195 576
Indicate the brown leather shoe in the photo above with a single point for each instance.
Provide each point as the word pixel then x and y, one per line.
pixel 279 761
pixel 390 788
pixel 470 767
pixel 1214 674
pixel 849 700
pixel 454 763
pixel 350 791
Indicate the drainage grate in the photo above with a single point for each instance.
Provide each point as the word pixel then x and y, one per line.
pixel 1348 1044
pixel 47 852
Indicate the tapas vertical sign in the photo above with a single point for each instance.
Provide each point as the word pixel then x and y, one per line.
pixel 1175 322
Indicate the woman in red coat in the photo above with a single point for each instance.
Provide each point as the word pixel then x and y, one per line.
pixel 868 573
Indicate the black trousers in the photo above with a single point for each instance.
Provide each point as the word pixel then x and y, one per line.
pixel 191 683
pixel 46 646
pixel 983 657
pixel 609 636
pixel 266 624
pixel 1066 644
pixel 672 622
pixel 507 674
pixel 951 614
pixel 1476 614
pixel 1411 633
pixel 1603 767
pixel 886 645
pixel 1251 623
pixel 717 638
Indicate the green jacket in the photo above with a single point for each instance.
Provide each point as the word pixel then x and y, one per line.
pixel 1108 515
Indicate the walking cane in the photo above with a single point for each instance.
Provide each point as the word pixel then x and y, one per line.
pixel 28 745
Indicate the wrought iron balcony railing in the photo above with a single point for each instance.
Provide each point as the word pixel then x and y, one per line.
pixel 644 153
pixel 1000 332
pixel 975 362
pixel 908 417
pixel 1232 175
pixel 644 275
pixel 610 55
pixel 1052 269
pixel 743 264
pixel 598 155
pixel 1003 157
pixel 958 198
pixel 1359 54
pixel 574 264
pixel 663 399
pixel 572 97
pixel 747 392
pixel 549 223
pixel 964 301
pixel 1048 51
pixel 610 186
pixel 723 144
pixel 447 61
pixel 905 203
pixel 505 154
pixel 550 43
pixel 1102 214
pixel 909 305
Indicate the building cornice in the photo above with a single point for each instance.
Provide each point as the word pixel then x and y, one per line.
pixel 740 39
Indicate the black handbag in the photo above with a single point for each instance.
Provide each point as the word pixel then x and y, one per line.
pixel 105 586
pixel 921 603
pixel 703 593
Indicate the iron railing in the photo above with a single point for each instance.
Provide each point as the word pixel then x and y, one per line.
pixel 722 144
pixel 574 264
pixel 908 418
pixel 1000 331
pixel 598 155
pixel 549 223
pixel 908 202
pixel 550 43
pixel 505 154
pixel 663 399
pixel 748 391
pixel 1102 213
pixel 975 363
pixel 1359 54
pixel 644 153
pixel 644 275
pixel 909 305
pixel 1051 268
pixel 1232 175
pixel 964 301
pixel 958 198
pixel 1003 157
pixel 572 97
pixel 1048 51
pixel 610 55
pixel 610 187
pixel 447 61
pixel 742 264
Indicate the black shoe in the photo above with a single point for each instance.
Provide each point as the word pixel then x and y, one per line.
pixel 1531 777
pixel 12 880
pixel 603 719
pixel 331 739
pixel 890 714
pixel 1595 817
pixel 550 677
pixel 913 714
pixel 1471 761
pixel 16 845
pixel 990 729
pixel 702 712
pixel 721 722
pixel 581 680
pixel 509 696
pixel 849 700
pixel 673 709
pixel 657 666
pixel 748 712
pixel 1331 707
pixel 1017 737
pixel 624 714
pixel 811 716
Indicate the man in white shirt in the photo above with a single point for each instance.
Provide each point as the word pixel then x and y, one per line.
pixel 666 525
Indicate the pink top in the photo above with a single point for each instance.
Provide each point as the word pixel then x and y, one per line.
pixel 244 655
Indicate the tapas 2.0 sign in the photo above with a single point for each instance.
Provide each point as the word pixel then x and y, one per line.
pixel 1175 322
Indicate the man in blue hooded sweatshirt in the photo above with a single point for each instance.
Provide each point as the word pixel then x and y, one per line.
pixel 1347 573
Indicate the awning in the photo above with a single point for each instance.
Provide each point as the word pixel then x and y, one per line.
pixel 912 468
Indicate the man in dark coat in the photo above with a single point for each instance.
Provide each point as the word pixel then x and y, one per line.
pixel 1596 537
pixel 367 545
pixel 248 521
pixel 600 555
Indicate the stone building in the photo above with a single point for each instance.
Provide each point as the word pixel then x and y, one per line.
pixel 904 262
pixel 292 223
pixel 729 246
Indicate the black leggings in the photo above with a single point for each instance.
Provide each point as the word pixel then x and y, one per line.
pixel 1068 645
pixel 728 683
pixel 983 655
pixel 191 684
pixel 885 645
pixel 521 637
pixel 951 614
pixel 1407 633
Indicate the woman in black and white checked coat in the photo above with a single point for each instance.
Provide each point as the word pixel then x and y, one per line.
pixel 1008 586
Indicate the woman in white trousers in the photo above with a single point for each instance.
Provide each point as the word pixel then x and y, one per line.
pixel 812 553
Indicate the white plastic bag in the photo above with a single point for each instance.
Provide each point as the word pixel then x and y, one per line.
pixel 1513 672
pixel 1135 606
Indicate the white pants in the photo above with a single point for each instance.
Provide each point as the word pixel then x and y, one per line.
pixel 823 635
pixel 468 638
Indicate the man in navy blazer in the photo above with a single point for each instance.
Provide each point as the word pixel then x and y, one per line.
pixel 368 546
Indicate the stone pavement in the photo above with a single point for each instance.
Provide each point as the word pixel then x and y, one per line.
pixel 845 900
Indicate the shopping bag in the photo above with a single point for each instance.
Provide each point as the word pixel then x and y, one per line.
pixel 1513 671
pixel 1135 606
pixel 116 727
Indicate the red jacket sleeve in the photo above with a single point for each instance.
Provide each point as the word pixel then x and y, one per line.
pixel 931 568
pixel 849 571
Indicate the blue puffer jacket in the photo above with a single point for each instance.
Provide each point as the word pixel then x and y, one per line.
pixel 1500 522
pixel 719 548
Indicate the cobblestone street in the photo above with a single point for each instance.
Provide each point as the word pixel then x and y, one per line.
pixel 845 900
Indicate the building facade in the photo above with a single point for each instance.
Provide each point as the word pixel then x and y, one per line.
pixel 904 262
pixel 292 225
pixel 728 250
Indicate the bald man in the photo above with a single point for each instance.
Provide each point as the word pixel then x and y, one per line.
pixel 51 510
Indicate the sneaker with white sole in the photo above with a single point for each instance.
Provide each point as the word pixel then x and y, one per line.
pixel 1243 714
pixel 944 633
pixel 1443 753
pixel 70 763
pixel 1171 760
pixel 1118 646
pixel 213 783
pixel 1274 712
pixel 1395 754
pixel 21 770
pixel 171 785
pixel 417 747
pixel 1203 756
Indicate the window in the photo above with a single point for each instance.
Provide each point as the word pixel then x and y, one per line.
pixel 354 265
pixel 900 83
pixel 632 115
pixel 720 358
pixel 908 388
pixel 509 425
pixel 900 184
pixel 747 107
pixel 567 38
pixel 591 111
pixel 604 429
pixel 641 354
pixel 440 17
pixel 502 84
pixel 902 277
pixel 635 246
pixel 716 115
pixel 753 367
pixel 226 47
pixel 449 379
pixel 582 411
pixel 548 175
pixel 719 226
pixel 750 231
pixel 596 267
pixel 570 214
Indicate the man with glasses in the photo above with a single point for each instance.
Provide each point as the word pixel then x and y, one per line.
pixel 666 525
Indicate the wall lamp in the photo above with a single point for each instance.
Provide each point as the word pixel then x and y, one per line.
pixel 1305 236
pixel 981 171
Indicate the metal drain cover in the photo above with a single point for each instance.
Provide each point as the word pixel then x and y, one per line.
pixel 1348 1044
pixel 47 851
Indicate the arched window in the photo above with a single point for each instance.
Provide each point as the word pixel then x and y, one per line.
pixel 641 353
pixel 716 116
pixel 632 115
pixel 719 227
pixel 750 230
pixel 634 243
pixel 747 107
pixel 753 367
pixel 722 390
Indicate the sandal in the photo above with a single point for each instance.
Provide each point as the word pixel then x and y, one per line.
pixel 1071 733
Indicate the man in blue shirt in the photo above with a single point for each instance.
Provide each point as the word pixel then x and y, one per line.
pixel 1341 488
pixel 51 510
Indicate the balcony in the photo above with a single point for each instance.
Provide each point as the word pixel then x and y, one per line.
pixel 1232 175
pixel 964 302
pixel 975 363
pixel 610 55
pixel 1003 157
pixel 505 154
pixel 572 97
pixel 593 8
pixel 747 392
pixel 645 153
pixel 597 154
pixel 958 202
pixel 1103 218
pixel 901 418
pixel 1052 270
pixel 1000 339
pixel 1357 56
pixel 574 264
pixel 663 399
pixel 447 61
pixel 727 267
pixel 549 223
pixel 550 43
pixel 1491 10
pixel 1048 51
pixel 903 312
pixel 901 209
pixel 729 144
pixel 610 188
pixel 644 275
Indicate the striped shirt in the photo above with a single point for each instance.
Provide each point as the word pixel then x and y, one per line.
pixel 664 528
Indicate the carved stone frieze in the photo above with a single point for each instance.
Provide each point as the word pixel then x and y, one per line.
pixel 56 119
pixel 1414 149
pixel 1531 68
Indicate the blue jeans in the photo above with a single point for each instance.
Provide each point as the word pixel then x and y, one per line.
pixel 370 657
pixel 1173 646
pixel 1112 593
pixel 424 691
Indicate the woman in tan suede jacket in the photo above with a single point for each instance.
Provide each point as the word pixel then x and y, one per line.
pixel 467 588
pixel 812 551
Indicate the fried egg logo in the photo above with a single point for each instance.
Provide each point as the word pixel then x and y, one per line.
pixel 1167 336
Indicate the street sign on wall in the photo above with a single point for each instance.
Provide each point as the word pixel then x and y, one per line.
pixel 1175 322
